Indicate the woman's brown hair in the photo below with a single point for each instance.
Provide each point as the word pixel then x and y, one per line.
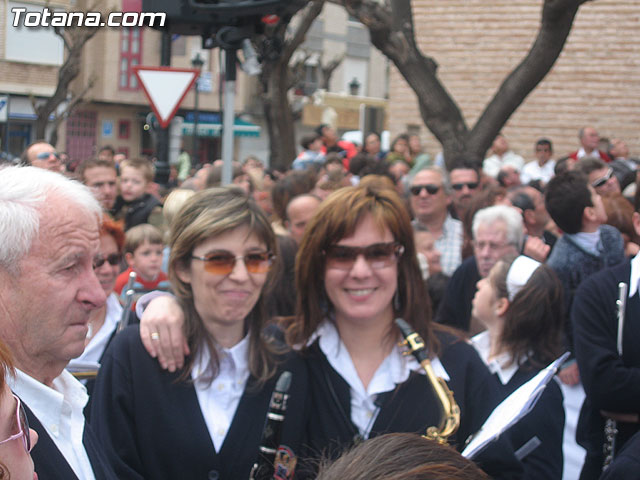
pixel 337 217
pixel 401 456
pixel 113 228
pixel 205 215
pixel 534 321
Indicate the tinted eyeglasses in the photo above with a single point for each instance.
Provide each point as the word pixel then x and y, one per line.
pixel 599 182
pixel 460 186
pixel 377 255
pixel 45 155
pixel 113 259
pixel 23 425
pixel 430 188
pixel 223 263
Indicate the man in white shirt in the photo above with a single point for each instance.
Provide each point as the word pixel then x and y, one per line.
pixel 47 290
pixel 501 157
pixel 542 168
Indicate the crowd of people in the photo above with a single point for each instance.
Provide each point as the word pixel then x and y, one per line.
pixel 192 302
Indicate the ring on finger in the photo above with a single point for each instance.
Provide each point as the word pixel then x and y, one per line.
pixel 155 336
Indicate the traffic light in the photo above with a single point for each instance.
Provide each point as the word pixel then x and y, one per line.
pixel 206 17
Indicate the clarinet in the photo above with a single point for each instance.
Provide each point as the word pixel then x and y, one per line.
pixel 611 426
pixel 263 468
pixel 128 296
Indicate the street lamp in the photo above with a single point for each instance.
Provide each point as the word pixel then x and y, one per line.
pixel 354 86
pixel 196 62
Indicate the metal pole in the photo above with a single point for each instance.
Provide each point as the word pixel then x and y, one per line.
pixel 195 161
pixel 162 145
pixel 228 114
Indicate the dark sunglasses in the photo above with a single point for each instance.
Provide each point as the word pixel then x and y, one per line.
pixel 430 188
pixel 223 263
pixel 377 255
pixel 45 155
pixel 599 182
pixel 113 259
pixel 469 185
pixel 23 425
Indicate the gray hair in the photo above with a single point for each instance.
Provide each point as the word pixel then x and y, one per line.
pixel 511 218
pixel 24 192
pixel 446 184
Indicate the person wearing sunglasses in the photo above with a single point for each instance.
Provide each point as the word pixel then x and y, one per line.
pixel 204 420
pixel 465 183
pixel 430 199
pixel 16 438
pixel 104 320
pixel 42 155
pixel 601 177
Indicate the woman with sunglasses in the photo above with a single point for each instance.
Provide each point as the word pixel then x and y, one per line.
pixel 356 271
pixel 103 321
pixel 16 438
pixel 520 303
pixel 206 419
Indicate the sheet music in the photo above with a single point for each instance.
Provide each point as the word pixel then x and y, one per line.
pixel 512 409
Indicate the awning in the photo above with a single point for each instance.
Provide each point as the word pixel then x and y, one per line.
pixel 241 128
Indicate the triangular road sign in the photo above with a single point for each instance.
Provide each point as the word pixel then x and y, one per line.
pixel 165 87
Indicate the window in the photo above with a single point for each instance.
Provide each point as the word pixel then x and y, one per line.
pixel 124 127
pixel 130 55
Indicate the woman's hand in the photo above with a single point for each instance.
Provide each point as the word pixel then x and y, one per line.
pixel 161 332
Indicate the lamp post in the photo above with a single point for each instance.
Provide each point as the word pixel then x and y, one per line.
pixel 354 87
pixel 196 62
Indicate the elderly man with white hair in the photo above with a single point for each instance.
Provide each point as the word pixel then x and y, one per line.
pixel 47 290
pixel 497 231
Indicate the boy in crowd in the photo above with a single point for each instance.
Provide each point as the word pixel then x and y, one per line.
pixel 134 205
pixel 143 253
pixel 587 246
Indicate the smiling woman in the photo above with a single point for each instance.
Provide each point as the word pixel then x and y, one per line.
pixel 206 419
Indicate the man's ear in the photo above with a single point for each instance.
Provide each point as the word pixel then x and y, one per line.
pixel 528 216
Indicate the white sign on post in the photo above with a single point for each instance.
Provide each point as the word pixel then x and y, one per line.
pixel 165 87
pixel 4 108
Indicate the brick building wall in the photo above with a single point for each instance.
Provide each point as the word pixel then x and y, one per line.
pixel 595 81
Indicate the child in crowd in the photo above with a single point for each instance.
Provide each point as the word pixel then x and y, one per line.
pixel 311 155
pixel 143 253
pixel 135 205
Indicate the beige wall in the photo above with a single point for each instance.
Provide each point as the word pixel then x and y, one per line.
pixel 596 80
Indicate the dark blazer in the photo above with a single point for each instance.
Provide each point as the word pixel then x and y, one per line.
pixel 627 464
pixel 455 306
pixel 610 382
pixel 411 407
pixel 154 426
pixel 51 465
pixel 545 422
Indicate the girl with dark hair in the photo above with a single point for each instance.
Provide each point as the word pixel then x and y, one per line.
pixel 520 303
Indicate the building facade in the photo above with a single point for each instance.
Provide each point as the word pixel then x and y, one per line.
pixel 476 43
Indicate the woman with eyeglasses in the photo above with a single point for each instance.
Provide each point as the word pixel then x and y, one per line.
pixel 206 419
pixel 16 438
pixel 520 304
pixel 107 266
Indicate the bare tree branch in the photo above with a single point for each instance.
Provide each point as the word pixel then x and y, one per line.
pixel 329 68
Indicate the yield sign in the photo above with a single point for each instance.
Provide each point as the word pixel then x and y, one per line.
pixel 165 87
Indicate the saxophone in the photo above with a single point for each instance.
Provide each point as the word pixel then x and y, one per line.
pixel 450 411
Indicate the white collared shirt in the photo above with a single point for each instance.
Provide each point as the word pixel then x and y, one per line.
pixel 95 348
pixel 219 400
pixel 59 409
pixel 394 370
pixel 502 365
pixel 634 278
